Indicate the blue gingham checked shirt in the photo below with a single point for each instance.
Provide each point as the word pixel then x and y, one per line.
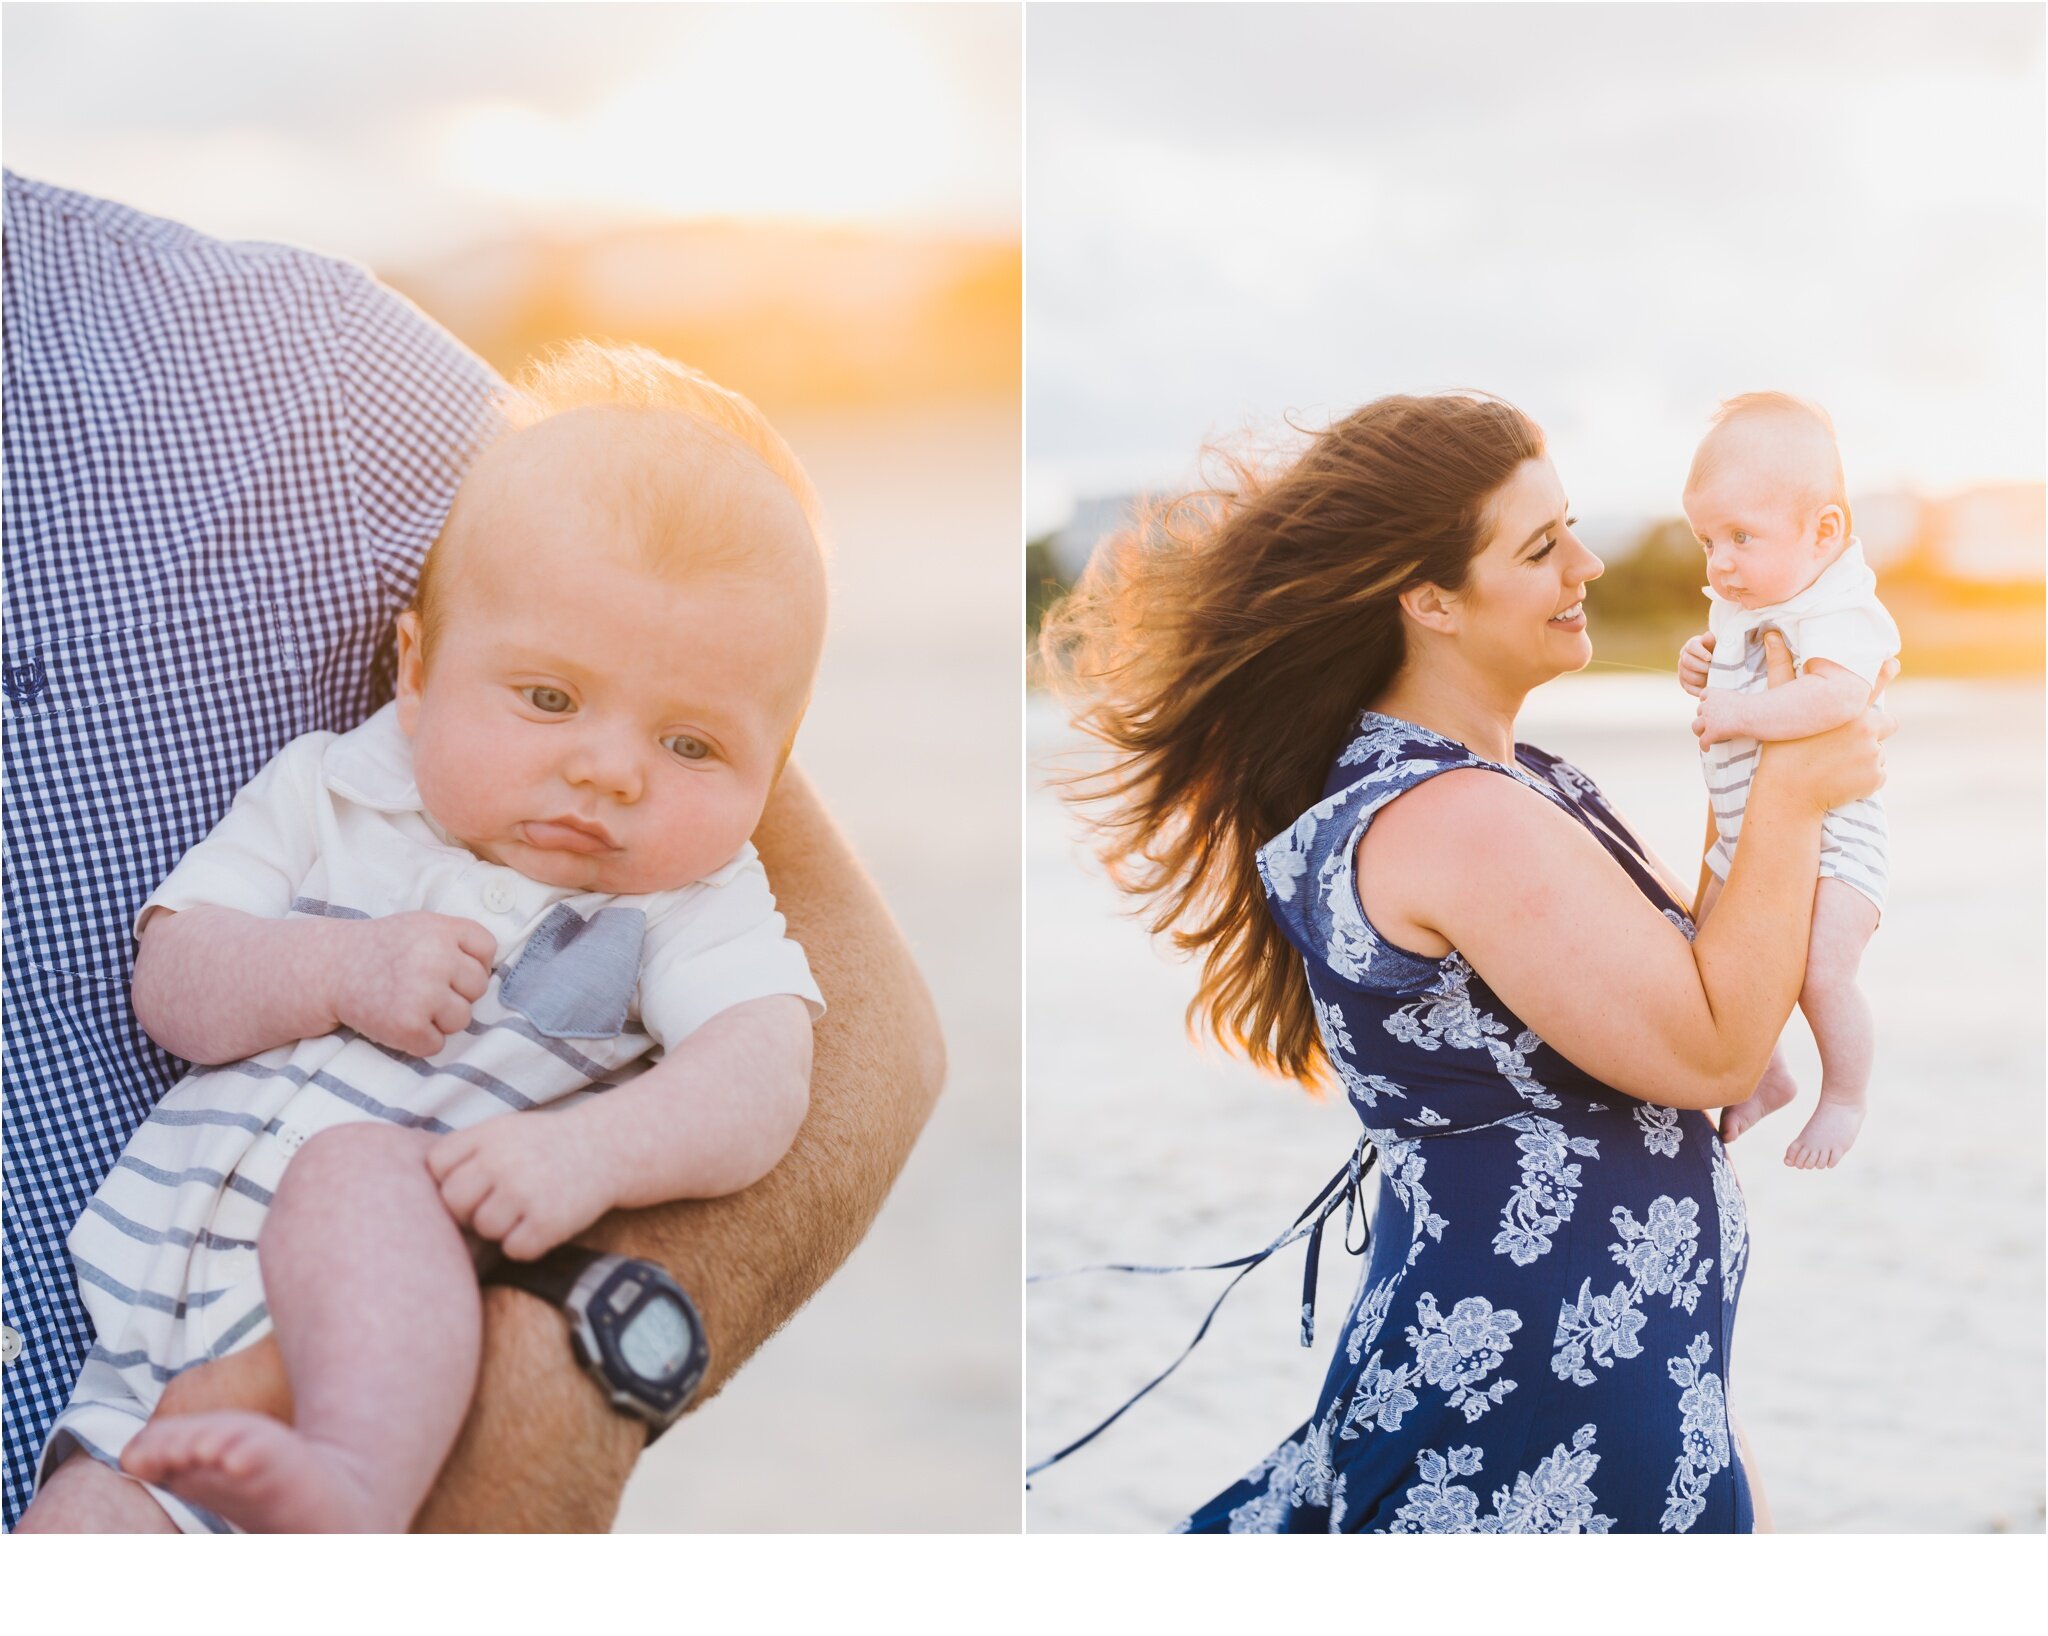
pixel 223 466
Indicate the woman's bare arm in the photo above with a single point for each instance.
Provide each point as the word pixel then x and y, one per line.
pixel 1475 861
pixel 542 1450
pixel 1573 947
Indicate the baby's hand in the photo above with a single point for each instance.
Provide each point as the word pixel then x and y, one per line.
pixel 527 1181
pixel 408 980
pixel 1719 717
pixel 1692 663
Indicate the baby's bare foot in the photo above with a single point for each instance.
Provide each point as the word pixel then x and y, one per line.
pixel 1829 1134
pixel 258 1473
pixel 1772 1092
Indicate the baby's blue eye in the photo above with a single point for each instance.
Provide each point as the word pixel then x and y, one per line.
pixel 1741 538
pixel 550 700
pixel 690 749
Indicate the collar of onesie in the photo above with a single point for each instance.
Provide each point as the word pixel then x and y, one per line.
pixel 372 765
pixel 1845 583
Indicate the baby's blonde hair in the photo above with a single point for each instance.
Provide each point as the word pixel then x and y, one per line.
pixel 591 374
pixel 1808 457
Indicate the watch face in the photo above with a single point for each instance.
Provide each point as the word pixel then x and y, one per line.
pixel 656 1344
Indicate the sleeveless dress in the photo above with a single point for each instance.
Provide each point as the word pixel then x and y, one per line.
pixel 1540 1342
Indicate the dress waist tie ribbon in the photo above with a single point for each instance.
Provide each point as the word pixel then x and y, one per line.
pixel 1346 1188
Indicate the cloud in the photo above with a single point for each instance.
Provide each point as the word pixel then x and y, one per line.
pixel 860 112
pixel 1615 215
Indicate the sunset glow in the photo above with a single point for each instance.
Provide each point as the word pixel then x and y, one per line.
pixel 733 122
pixel 542 119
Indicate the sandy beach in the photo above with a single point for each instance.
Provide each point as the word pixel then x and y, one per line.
pixel 1889 1365
pixel 891 1401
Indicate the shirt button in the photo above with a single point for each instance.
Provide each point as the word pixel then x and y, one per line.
pixel 10 1343
pixel 498 898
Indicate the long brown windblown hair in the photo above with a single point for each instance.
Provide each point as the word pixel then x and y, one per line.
pixel 1222 648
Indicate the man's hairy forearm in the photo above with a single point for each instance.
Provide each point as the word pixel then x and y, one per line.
pixel 751 1259
pixel 541 1449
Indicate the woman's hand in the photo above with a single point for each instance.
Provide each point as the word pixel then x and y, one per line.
pixel 1833 768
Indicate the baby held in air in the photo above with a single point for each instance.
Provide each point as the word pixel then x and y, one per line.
pixel 1765 498
pixel 426 958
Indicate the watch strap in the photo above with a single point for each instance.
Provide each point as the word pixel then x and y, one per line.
pixel 551 1276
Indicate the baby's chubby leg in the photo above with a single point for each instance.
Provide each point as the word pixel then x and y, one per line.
pixel 1843 921
pixel 374 1297
pixel 1772 1092
pixel 1777 1087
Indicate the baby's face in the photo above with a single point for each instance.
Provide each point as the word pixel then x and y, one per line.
pixel 1761 547
pixel 589 721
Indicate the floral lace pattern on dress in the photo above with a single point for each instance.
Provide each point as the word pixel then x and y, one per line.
pixel 1512 1185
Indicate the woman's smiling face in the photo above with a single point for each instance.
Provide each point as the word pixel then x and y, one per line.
pixel 1521 612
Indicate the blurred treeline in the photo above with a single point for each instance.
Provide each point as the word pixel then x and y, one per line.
pixel 1649 600
pixel 1044 585
pixel 1642 609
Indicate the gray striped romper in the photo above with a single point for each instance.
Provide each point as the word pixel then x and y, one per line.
pixel 1837 618
pixel 584 987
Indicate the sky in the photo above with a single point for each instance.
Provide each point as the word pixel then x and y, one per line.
pixel 398 133
pixel 1613 215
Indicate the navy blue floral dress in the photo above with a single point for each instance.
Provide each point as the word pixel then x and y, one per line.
pixel 1541 1337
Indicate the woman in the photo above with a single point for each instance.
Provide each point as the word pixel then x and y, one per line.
pixel 1309 683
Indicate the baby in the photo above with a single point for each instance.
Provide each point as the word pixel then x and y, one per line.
pixel 1765 498
pixel 528 871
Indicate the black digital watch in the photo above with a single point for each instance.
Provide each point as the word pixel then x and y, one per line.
pixel 630 1325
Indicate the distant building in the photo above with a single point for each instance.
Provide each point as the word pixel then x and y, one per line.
pixel 1992 535
pixel 1094 520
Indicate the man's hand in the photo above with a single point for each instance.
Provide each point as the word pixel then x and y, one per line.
pixel 252 1380
pixel 1722 715
pixel 1693 660
pixel 408 980
pixel 526 1181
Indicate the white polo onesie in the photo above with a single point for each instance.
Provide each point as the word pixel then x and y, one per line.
pixel 584 987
